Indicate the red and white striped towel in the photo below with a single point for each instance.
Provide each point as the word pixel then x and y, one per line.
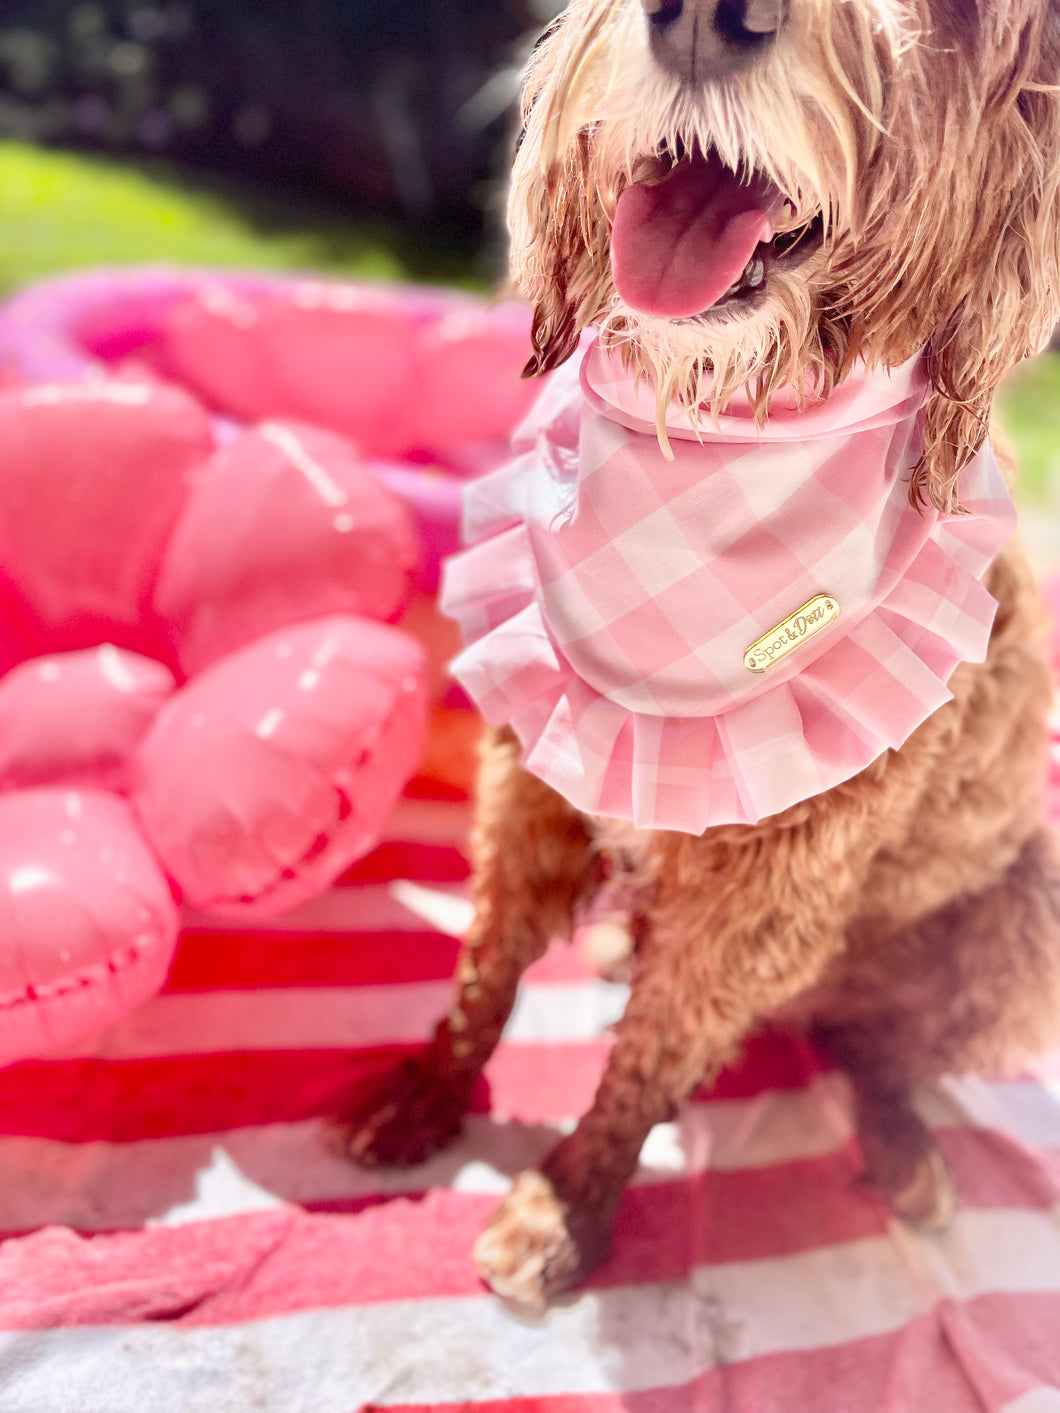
pixel 184 1238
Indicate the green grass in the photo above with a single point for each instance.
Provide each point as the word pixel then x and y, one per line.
pixel 1029 408
pixel 60 211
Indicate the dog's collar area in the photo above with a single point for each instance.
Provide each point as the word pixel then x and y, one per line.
pixel 612 597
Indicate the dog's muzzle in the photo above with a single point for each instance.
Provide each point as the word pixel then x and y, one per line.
pixel 700 40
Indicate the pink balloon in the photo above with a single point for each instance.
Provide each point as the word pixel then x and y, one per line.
pixel 265 777
pixel 17 638
pixel 284 524
pixel 88 924
pixel 341 356
pixel 256 569
pixel 77 717
pixel 469 384
pixel 393 375
pixel 92 477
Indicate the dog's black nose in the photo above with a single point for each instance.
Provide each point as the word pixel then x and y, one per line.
pixel 710 39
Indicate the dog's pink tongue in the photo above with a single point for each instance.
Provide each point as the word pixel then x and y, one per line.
pixel 677 245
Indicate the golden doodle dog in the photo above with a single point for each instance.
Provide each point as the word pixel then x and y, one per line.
pixel 761 648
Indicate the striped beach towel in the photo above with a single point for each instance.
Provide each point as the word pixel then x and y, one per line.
pixel 183 1236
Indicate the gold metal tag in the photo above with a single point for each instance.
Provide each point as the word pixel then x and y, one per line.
pixel 798 628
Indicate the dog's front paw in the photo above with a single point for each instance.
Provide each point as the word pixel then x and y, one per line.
pixel 906 1166
pixel 405 1117
pixel 924 1194
pixel 536 1245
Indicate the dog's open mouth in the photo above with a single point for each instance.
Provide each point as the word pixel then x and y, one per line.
pixel 700 238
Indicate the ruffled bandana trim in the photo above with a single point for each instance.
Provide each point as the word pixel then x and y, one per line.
pixel 711 639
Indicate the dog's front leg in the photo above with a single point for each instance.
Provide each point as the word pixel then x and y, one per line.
pixel 532 863
pixel 733 927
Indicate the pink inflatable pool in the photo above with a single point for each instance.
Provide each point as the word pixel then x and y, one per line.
pixel 218 494
pixel 426 381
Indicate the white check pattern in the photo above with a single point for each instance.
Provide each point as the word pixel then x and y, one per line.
pixel 611 594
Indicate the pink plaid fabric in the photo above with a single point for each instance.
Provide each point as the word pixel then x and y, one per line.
pixel 611 594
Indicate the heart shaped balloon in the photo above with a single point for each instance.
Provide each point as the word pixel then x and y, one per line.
pixel 261 779
pixel 393 376
pixel 78 717
pixel 88 924
pixel 340 356
pixel 285 523
pixel 92 478
pixel 469 387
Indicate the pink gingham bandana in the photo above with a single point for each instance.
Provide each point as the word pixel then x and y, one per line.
pixel 619 607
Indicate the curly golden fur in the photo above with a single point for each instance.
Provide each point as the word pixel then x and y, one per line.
pixel 910 918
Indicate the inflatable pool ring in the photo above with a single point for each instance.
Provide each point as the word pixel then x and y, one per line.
pixel 425 381
pixel 202 703
pixel 218 491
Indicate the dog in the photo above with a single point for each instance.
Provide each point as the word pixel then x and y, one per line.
pixel 760 205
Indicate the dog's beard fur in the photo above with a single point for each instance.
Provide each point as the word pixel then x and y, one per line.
pixel 926 135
